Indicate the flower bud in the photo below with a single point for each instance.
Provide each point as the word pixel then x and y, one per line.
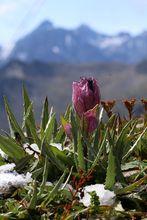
pixel 86 95
pixel 90 120
pixel 67 127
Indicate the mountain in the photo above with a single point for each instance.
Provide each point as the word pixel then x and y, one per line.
pixel 48 43
pixel 1 53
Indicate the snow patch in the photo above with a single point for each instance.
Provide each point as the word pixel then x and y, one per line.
pixel 112 41
pixel 56 50
pixel 7 168
pixel 32 149
pixel 106 197
pixel 10 178
pixel 35 147
pixel 68 40
pixel 49 183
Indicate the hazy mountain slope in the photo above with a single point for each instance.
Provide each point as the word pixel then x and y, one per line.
pixel 47 43
pixel 55 81
pixel 54 44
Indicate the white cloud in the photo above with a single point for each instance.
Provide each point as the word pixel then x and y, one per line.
pixel 7 7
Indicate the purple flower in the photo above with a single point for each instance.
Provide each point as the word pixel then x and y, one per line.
pixel 67 129
pixel 90 120
pixel 86 95
pixel 86 98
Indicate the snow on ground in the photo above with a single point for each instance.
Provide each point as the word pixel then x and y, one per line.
pixel 10 178
pixel 7 168
pixel 106 197
pixel 31 149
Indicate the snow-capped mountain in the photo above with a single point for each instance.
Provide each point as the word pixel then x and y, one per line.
pixel 48 43
pixel 114 41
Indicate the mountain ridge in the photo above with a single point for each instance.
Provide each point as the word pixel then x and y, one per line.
pixel 48 43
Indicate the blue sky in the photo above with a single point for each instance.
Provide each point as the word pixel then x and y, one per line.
pixel 18 17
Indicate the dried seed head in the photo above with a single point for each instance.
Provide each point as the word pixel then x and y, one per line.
pixel 108 105
pixel 129 104
pixel 144 102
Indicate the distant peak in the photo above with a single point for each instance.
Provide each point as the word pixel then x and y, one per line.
pixel 46 25
pixel 84 27
pixel 124 34
pixel 86 30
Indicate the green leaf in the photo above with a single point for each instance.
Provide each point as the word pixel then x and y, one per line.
pixel 60 135
pixel 135 144
pixel 14 126
pixel 49 130
pixel 11 148
pixel 112 121
pixel 54 191
pixel 26 115
pixel 111 171
pixel 37 172
pixel 63 121
pixel 132 187
pixel 67 113
pixel 45 175
pixel 96 141
pixel 75 136
pixel 100 151
pixel 33 201
pixel 61 155
pixel 33 132
pixel 2 161
pixel 116 153
pixel 80 151
pixel 74 130
pixel 27 103
pixel 47 150
pixel 68 178
pixel 120 143
pixel 45 115
pixel 30 120
pixel 101 111
pixel 22 163
pixel 76 214
pixel 130 165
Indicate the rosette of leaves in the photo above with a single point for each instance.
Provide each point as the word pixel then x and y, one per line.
pixel 113 153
